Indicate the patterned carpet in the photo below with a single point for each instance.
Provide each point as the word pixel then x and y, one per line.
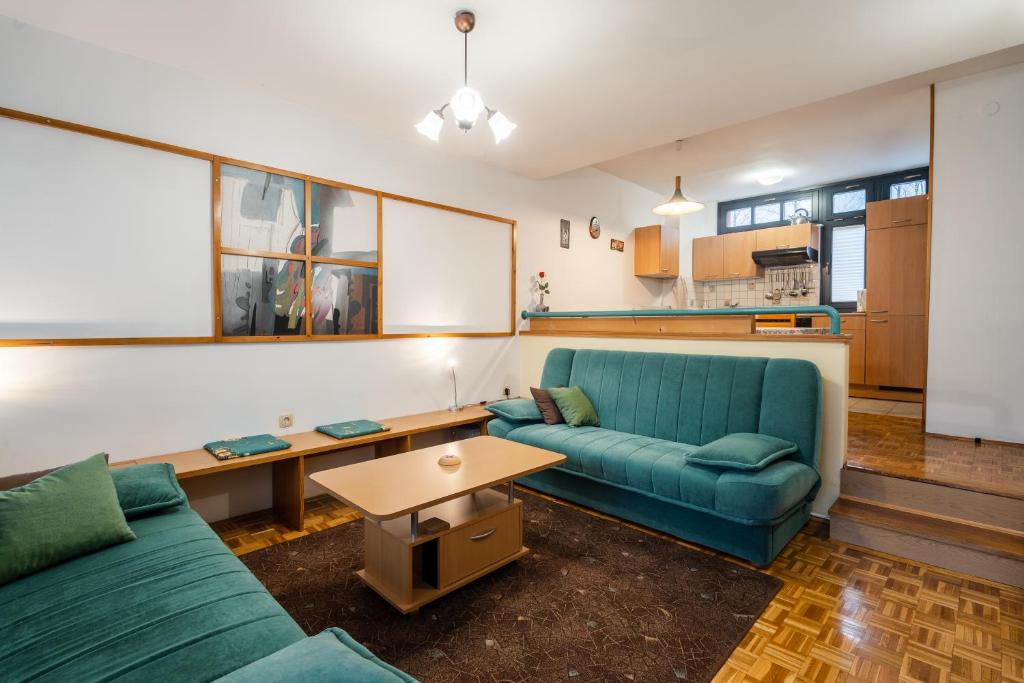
pixel 593 601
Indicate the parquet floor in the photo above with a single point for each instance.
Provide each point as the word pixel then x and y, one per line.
pixel 845 613
pixel 897 447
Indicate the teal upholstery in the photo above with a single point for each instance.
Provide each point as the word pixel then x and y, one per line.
pixel 175 604
pixel 742 451
pixel 655 410
pixel 143 489
pixel 516 410
pixel 328 657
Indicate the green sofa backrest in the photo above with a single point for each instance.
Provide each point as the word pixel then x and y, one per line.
pixel 696 399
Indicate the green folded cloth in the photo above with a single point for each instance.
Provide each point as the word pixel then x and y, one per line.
pixel 352 428
pixel 246 445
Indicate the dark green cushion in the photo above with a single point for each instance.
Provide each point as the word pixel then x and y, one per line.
pixel 144 489
pixel 331 656
pixel 66 513
pixel 517 410
pixel 575 407
pixel 742 451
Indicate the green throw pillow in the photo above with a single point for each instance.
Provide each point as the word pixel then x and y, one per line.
pixel 742 451
pixel 517 410
pixel 143 489
pixel 66 513
pixel 574 406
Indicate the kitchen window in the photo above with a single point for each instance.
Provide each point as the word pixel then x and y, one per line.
pixel 843 263
pixel 767 213
pixel 737 218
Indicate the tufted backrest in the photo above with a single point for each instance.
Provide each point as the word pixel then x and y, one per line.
pixel 696 399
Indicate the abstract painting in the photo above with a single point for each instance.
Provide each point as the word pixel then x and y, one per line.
pixel 262 296
pixel 344 299
pixel 344 223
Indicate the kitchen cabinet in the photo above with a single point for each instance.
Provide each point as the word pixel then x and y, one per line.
pixel 896 350
pixel 708 258
pixel 786 237
pixel 737 248
pixel 897 270
pixel 853 325
pixel 656 251
pixel 897 212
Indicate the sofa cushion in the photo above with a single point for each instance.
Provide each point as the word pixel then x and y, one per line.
pixel 173 605
pixel 144 489
pixel 742 451
pixel 764 495
pixel 517 410
pixel 71 511
pixel 575 407
pixel 650 465
pixel 546 405
pixel 331 656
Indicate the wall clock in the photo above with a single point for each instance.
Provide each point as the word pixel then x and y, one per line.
pixel 595 227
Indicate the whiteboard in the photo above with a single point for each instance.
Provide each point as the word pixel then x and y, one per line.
pixel 445 272
pixel 101 238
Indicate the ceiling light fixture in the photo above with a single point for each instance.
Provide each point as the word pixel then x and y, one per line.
pixel 771 178
pixel 678 204
pixel 466 104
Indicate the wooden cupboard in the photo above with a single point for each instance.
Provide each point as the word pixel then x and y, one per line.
pixel 896 350
pixel 787 237
pixel 708 258
pixel 892 213
pixel 656 251
pixel 737 248
pixel 897 270
pixel 853 325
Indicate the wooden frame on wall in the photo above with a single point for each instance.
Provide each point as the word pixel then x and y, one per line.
pixel 307 258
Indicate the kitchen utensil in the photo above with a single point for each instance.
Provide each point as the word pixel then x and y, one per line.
pixel 799 217
pixel 803 283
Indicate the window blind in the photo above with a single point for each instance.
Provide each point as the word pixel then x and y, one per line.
pixel 847 262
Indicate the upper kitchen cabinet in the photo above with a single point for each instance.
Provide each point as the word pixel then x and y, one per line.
pixel 787 237
pixel 895 213
pixel 656 251
pixel 737 248
pixel 709 258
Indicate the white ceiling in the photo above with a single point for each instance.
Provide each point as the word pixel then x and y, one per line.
pixel 586 80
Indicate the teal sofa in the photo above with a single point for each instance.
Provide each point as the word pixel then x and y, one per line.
pixel 655 409
pixel 175 604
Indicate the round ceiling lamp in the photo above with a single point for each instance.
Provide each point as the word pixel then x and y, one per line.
pixel 466 104
pixel 678 204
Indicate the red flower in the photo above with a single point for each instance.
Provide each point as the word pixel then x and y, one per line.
pixel 541 273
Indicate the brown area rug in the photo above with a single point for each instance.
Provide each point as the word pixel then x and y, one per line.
pixel 593 601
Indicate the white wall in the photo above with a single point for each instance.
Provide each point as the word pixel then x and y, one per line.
pixel 61 404
pixel 975 363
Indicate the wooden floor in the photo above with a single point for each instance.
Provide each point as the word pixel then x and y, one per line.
pixel 844 613
pixel 896 446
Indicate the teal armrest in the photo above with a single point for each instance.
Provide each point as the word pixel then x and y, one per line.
pixel 331 656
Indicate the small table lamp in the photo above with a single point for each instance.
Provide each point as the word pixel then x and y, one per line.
pixel 455 389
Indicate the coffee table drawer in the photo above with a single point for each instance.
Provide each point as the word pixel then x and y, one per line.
pixel 478 545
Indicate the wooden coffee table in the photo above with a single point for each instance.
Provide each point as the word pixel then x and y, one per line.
pixel 407 565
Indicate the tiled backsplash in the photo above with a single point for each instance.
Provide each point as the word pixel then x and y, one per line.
pixel 751 291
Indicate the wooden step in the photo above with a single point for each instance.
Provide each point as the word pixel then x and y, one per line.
pixel 990 509
pixel 981 550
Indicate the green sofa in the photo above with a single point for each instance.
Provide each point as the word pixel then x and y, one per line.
pixel 655 409
pixel 172 605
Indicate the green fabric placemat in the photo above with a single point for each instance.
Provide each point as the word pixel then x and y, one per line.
pixel 352 428
pixel 246 445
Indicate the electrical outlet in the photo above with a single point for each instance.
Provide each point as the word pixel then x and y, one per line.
pixel 285 420
pixel 507 392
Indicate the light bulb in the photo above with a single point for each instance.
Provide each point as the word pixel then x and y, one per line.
pixel 500 125
pixel 770 178
pixel 431 124
pixel 466 105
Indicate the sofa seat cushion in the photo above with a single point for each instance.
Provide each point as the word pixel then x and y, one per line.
pixel 662 468
pixel 173 605
pixel 640 462
pixel 767 494
pixel 331 656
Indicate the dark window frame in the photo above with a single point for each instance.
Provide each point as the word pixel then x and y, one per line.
pixel 751 202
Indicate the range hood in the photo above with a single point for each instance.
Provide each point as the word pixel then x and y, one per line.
pixel 791 256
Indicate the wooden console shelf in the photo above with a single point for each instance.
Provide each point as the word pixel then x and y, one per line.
pixel 288 466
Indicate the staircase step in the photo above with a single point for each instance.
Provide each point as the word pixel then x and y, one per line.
pixel 981 550
pixel 991 509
